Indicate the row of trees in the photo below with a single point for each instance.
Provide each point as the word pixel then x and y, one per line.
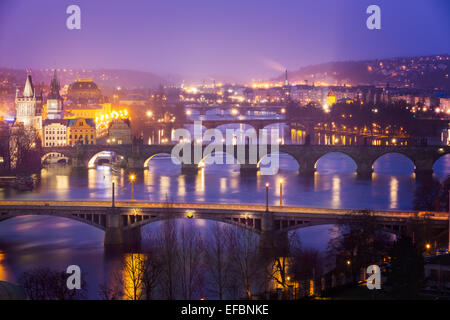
pixel 179 263
pixel 360 241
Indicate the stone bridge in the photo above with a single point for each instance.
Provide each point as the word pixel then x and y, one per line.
pixel 122 221
pixel 138 156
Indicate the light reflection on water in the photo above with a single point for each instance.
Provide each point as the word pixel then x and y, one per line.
pixel 28 242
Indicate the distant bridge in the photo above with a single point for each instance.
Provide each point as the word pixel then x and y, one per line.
pixel 138 156
pixel 122 223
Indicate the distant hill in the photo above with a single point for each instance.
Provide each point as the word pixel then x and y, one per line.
pixel 416 72
pixel 105 78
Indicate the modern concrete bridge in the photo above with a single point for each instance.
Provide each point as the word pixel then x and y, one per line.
pixel 122 221
pixel 138 156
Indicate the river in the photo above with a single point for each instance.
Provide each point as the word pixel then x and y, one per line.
pixel 28 242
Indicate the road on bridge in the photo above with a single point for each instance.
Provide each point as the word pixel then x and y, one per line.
pixel 224 208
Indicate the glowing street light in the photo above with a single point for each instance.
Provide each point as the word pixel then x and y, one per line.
pixel 267 197
pixel 149 113
pixel 132 180
pixel 281 192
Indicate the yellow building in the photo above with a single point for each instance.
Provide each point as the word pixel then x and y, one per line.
pixel 331 99
pixel 80 131
pixel 87 111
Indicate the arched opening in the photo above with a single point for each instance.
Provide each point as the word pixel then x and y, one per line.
pixel 237 133
pixel 219 162
pixel 161 162
pixel 393 163
pixel 281 128
pixel 335 162
pixel 109 158
pixel 50 231
pixel 279 160
pixel 54 158
pixel 441 166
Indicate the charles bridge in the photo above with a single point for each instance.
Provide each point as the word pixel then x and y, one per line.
pixel 137 156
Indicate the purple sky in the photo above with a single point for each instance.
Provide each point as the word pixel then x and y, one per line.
pixel 230 39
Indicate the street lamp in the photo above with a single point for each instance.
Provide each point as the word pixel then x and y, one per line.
pixel 267 197
pixel 113 204
pixel 132 179
pixel 281 192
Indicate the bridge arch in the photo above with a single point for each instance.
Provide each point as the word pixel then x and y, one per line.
pixel 225 158
pixel 248 222
pixel 286 160
pixel 112 156
pixel 54 154
pixel 441 163
pixel 339 164
pixel 97 220
pixel 408 163
pixel 159 154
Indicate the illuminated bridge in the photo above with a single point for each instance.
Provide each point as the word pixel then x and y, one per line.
pixel 137 156
pixel 122 221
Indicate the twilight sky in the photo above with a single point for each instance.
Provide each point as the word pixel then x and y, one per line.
pixel 232 39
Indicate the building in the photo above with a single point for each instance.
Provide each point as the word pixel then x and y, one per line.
pixel 119 132
pixel 54 101
pixel 80 131
pixel 84 92
pixel 29 106
pixel 95 111
pixel 331 98
pixel 4 145
pixel 54 132
pixel 437 274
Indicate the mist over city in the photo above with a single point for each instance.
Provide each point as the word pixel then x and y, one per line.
pixel 237 150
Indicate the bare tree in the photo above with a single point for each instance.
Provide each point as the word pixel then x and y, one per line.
pixel 47 284
pixel 167 244
pixel 24 149
pixel 133 274
pixel 217 262
pixel 244 256
pixel 153 268
pixel 190 261
pixel 279 264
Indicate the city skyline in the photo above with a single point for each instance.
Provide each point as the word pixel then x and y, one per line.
pixel 200 40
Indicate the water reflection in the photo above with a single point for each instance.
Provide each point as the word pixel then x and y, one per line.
pixel 31 241
pixel 393 194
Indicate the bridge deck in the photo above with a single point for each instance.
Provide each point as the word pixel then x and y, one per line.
pixel 228 208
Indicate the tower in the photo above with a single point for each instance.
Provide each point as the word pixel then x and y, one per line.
pixel 286 81
pixel 29 106
pixel 54 100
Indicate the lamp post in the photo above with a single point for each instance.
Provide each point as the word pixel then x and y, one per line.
pixel 281 192
pixel 132 179
pixel 267 197
pixel 113 204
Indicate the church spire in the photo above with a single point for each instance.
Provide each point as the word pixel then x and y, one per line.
pixel 28 91
pixel 54 87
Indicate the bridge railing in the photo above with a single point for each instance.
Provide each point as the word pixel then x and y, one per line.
pixel 251 208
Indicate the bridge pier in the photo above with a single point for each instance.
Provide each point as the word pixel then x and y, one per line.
pixel 364 170
pixel 272 242
pixel 135 163
pixel 306 168
pixel 78 162
pixel 189 168
pixel 117 236
pixel 249 169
